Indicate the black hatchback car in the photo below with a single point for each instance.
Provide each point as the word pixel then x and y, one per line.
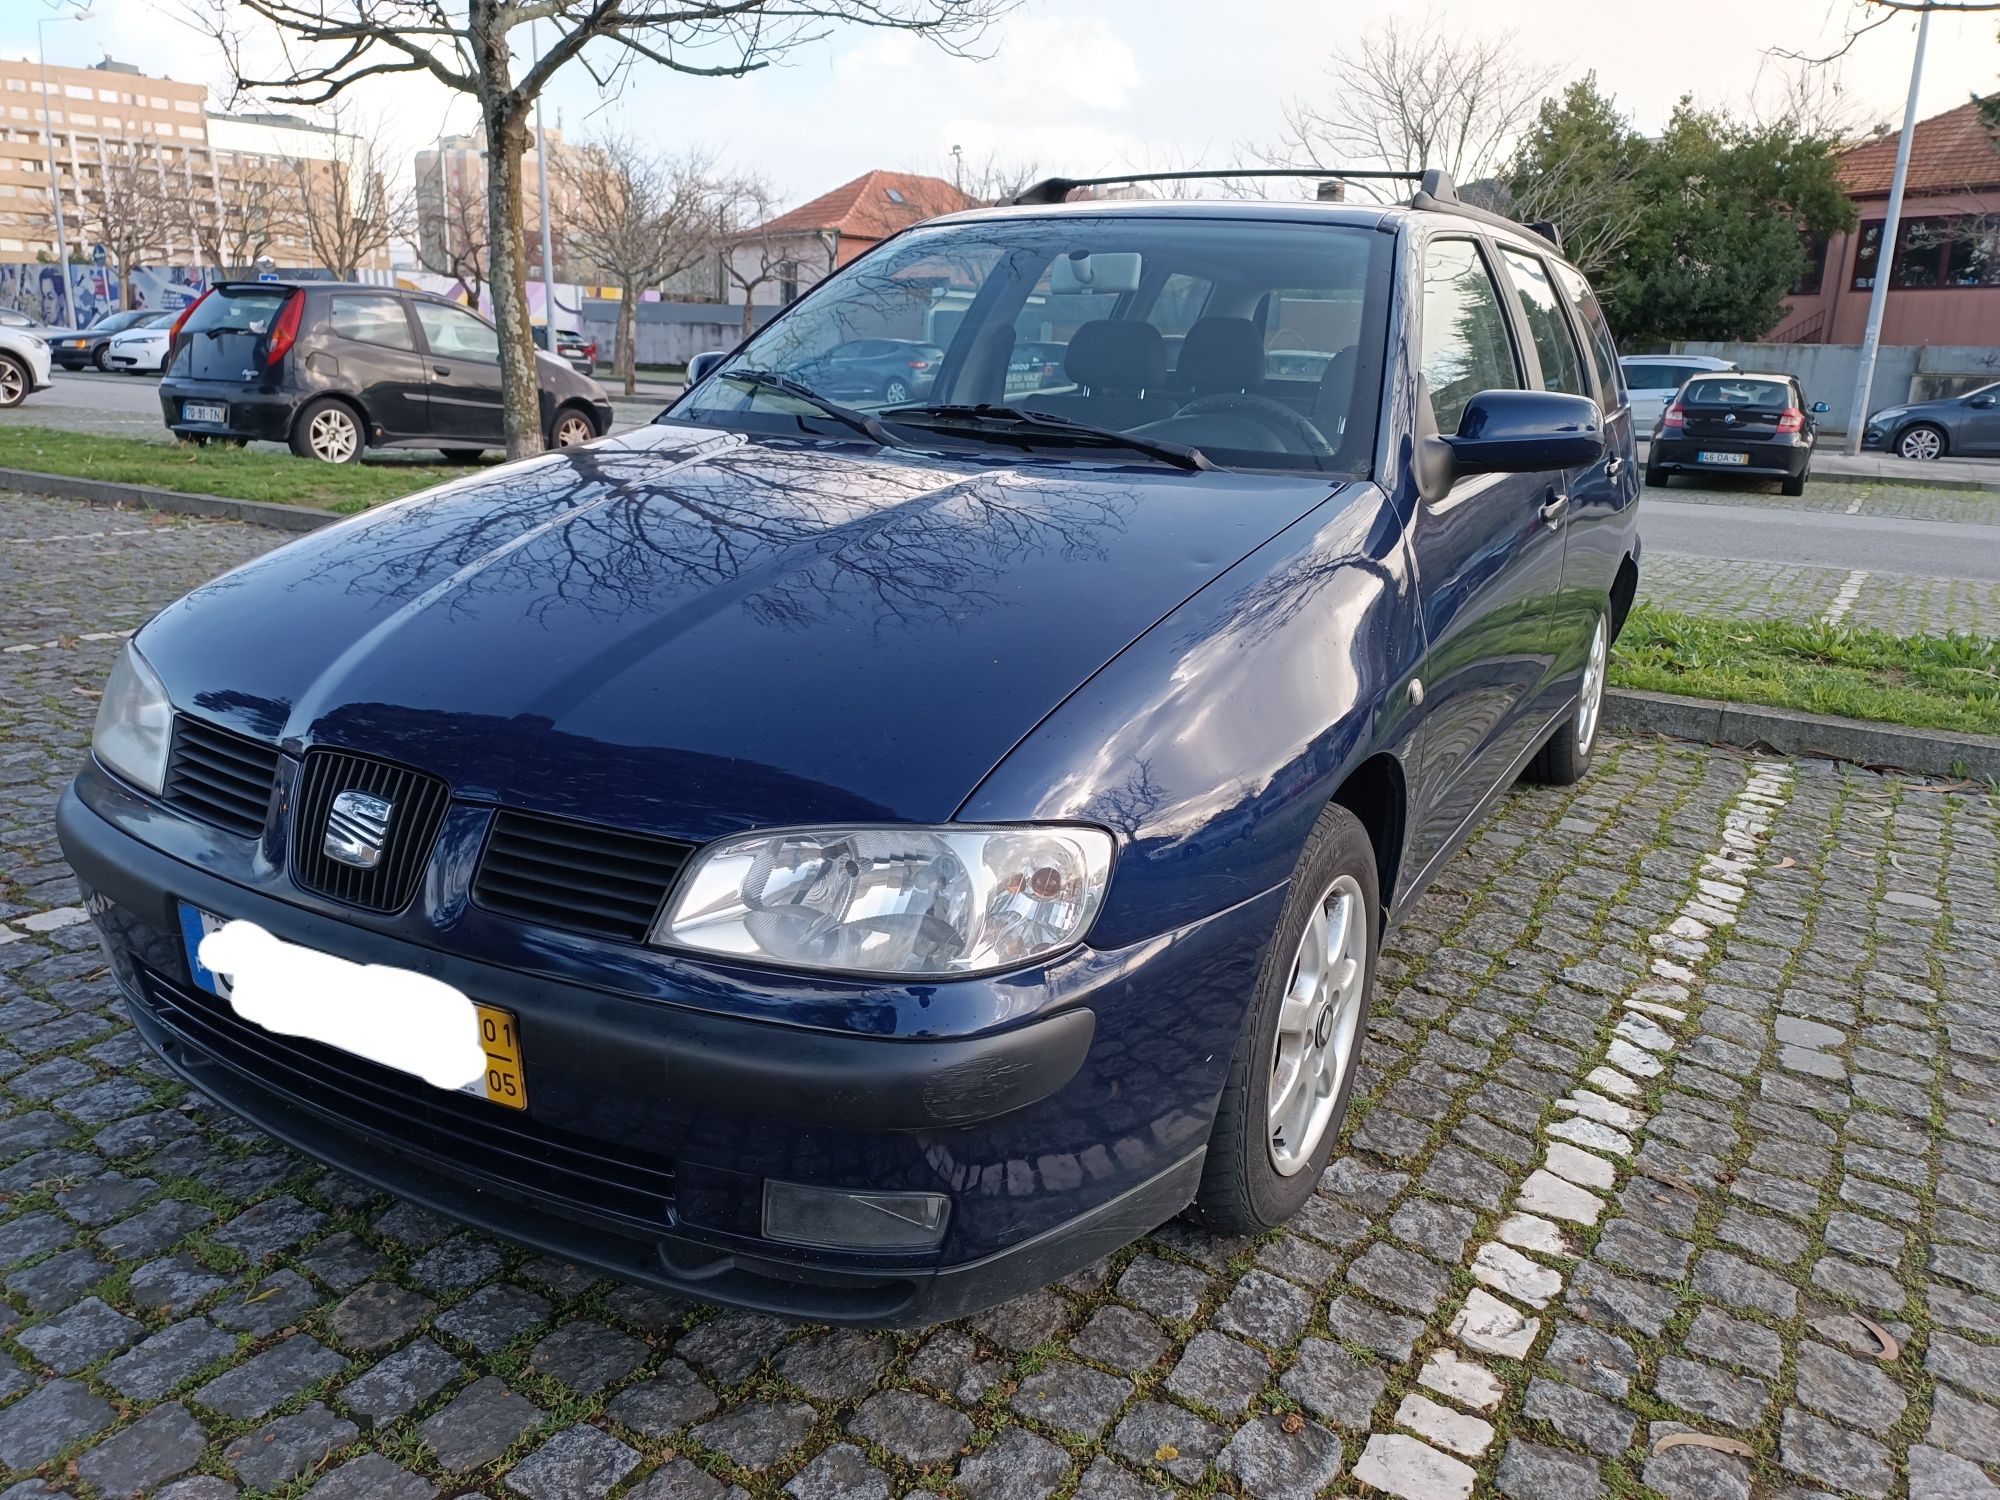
pixel 334 368
pixel 1731 423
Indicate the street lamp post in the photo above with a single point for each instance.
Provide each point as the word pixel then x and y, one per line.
pixel 1885 248
pixel 55 171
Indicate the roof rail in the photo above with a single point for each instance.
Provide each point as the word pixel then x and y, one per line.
pixel 1434 181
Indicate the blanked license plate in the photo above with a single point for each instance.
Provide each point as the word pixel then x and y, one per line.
pixel 204 411
pixel 1722 458
pixel 504 1081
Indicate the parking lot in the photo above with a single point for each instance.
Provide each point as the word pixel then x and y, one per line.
pixel 1680 1115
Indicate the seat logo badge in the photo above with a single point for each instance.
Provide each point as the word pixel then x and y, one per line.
pixel 356 829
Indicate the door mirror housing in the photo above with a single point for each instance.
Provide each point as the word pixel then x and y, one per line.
pixel 1981 401
pixel 701 364
pixel 1820 408
pixel 1513 432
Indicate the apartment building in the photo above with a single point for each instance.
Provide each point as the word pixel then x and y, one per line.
pixel 451 208
pixel 101 114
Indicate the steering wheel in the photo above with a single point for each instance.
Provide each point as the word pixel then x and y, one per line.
pixel 1274 416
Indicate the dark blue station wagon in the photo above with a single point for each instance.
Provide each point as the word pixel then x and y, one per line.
pixel 896 853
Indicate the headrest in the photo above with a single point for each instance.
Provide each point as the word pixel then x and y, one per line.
pixel 1108 354
pixel 1222 354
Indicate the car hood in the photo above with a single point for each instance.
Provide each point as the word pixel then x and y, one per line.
pixel 692 632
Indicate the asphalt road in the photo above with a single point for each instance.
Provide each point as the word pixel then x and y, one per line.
pixel 1765 532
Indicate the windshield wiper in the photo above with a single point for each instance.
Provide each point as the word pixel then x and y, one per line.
pixel 771 380
pixel 1017 419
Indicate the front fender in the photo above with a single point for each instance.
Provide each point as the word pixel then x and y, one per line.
pixel 1212 743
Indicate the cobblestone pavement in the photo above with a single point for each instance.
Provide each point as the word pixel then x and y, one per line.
pixel 1902 603
pixel 1678 1116
pixel 1852 497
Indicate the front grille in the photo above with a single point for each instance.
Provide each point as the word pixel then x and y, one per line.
pixel 580 876
pixel 219 777
pixel 467 1136
pixel 417 806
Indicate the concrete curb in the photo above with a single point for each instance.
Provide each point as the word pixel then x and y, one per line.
pixel 178 502
pixel 1934 752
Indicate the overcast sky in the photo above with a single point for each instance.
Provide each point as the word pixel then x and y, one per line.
pixel 1101 85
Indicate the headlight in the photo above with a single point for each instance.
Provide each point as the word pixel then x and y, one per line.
pixel 907 902
pixel 135 723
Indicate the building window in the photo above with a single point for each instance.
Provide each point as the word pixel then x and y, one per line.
pixel 1814 274
pixel 191 132
pixel 188 106
pixel 1934 251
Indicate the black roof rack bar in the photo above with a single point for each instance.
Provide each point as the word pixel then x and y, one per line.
pixel 1433 181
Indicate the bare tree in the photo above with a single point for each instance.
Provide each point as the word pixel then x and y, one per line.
pixel 636 217
pixel 451 235
pixel 470 47
pixel 1411 97
pixel 349 207
pixel 130 208
pixel 251 207
pixel 994 179
pixel 1810 97
pixel 753 254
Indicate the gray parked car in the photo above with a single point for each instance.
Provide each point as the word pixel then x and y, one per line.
pixel 1964 425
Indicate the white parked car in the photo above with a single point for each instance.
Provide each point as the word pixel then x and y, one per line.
pixel 24 365
pixel 140 351
pixel 1652 379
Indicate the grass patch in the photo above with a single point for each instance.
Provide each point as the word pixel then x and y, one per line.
pixel 1925 682
pixel 233 473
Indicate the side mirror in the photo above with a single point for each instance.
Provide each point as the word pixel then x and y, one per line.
pixel 1980 401
pixel 1820 408
pixel 701 364
pixel 1514 432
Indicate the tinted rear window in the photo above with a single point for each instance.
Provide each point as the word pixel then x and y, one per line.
pixel 248 311
pixel 1734 391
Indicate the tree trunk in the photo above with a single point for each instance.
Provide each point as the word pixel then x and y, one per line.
pixel 749 311
pixel 506 121
pixel 628 336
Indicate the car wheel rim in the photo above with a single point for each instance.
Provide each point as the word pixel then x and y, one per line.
pixel 897 391
pixel 1319 1020
pixel 1592 703
pixel 1922 443
pixel 332 436
pixel 12 388
pixel 571 431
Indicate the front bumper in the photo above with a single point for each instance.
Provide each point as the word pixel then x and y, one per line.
pixel 1783 458
pixel 652 1128
pixel 253 414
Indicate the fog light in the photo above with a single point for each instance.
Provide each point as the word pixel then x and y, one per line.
pixel 802 1215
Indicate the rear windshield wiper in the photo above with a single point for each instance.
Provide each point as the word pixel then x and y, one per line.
pixel 771 380
pixel 1020 419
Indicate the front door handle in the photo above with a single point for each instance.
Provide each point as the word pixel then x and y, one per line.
pixel 1554 509
pixel 1614 466
pixel 440 369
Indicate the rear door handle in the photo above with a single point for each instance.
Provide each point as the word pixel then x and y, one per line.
pixel 440 369
pixel 1554 509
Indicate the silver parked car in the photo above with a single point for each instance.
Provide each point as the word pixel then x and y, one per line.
pixel 1964 425
pixel 1652 379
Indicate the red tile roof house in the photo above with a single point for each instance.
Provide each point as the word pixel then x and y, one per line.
pixel 819 237
pixel 1944 283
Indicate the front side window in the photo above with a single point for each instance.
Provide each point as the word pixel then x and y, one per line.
pixel 1080 320
pixel 1555 345
pixel 455 332
pixel 371 320
pixel 1466 347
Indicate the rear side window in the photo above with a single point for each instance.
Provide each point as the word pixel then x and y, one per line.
pixel 372 319
pixel 454 331
pixel 1555 345
pixel 1601 347
pixel 230 311
pixel 1466 349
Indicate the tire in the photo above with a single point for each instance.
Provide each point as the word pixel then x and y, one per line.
pixel 1923 442
pixel 318 432
pixel 462 455
pixel 1565 759
pixel 1657 478
pixel 1254 1178
pixel 97 359
pixel 895 391
pixel 1794 487
pixel 571 427
pixel 15 381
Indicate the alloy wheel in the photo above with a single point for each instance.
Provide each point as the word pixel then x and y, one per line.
pixel 1591 704
pixel 574 429
pixel 895 393
pixel 1921 443
pixel 1319 1021
pixel 333 435
pixel 13 383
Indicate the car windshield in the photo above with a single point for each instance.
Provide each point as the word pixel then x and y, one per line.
pixel 1258 343
pixel 118 322
pixel 1737 392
